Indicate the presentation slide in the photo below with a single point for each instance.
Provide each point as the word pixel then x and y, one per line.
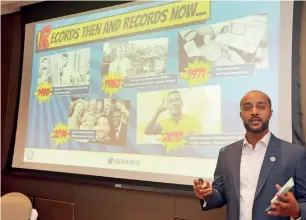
pixel 150 91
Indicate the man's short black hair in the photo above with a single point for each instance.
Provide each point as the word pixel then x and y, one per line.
pixel 174 92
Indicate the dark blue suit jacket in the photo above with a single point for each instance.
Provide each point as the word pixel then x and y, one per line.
pixel 290 162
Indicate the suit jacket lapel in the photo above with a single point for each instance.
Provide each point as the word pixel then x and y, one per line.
pixel 270 159
pixel 235 160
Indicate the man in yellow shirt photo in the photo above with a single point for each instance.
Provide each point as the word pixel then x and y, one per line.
pixel 177 120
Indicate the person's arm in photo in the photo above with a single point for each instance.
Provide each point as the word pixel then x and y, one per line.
pixel 151 128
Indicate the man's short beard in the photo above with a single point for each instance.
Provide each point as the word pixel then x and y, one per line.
pixel 263 127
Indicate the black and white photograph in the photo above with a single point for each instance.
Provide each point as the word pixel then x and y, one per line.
pixel 234 42
pixel 138 58
pixel 108 117
pixel 44 72
pixel 66 69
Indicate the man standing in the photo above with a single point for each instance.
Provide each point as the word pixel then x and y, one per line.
pixel 67 75
pixel 119 132
pixel 103 128
pixel 44 74
pixel 121 64
pixel 250 172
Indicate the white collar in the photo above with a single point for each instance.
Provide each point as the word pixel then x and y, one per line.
pixel 265 140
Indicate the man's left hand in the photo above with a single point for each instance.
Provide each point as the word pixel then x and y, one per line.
pixel 286 205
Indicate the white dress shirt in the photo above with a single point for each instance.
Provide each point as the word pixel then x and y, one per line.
pixel 251 162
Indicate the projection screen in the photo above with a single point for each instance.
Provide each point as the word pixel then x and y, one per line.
pixel 150 90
